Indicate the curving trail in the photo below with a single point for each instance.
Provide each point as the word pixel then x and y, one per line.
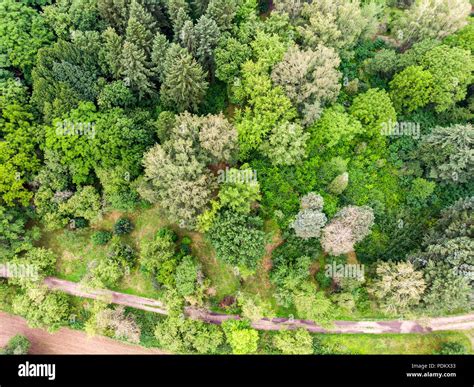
pixel 463 322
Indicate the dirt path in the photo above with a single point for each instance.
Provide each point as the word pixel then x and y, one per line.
pixel 65 341
pixel 464 322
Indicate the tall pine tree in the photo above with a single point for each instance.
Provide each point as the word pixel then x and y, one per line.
pixel 184 84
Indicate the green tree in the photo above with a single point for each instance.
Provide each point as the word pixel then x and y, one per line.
pixel 310 220
pixel 309 78
pixel 186 276
pixel 230 54
pixel 17 345
pixel 85 203
pixel 432 19
pixel 219 137
pixel 22 32
pixel 14 236
pixel 286 144
pixel 348 227
pixel 266 107
pixel 373 109
pixel 294 342
pixel 453 71
pixel 41 307
pixel 335 127
pixel 447 153
pixel 451 239
pixel 241 337
pixel 412 88
pixel 446 291
pixel 339 24
pixel 157 256
pixel 238 239
pixel 239 193
pixel 179 334
pixel 135 69
pixel 397 287
pixel 184 84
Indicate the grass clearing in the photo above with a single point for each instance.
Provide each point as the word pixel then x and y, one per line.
pixel 410 343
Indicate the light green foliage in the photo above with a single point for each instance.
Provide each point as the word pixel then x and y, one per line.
pixel 157 256
pixel 335 126
pixel 41 307
pixel 239 194
pixel 242 338
pixel 268 49
pixel 309 78
pixel 107 272
pixel 266 107
pixel 18 158
pixel 85 203
pixel 464 38
pixel 179 334
pixel 186 276
pixel 432 19
pixel 421 190
pixel 339 184
pixel 14 237
pixel 111 139
pixel 453 70
pixel 336 23
pixel 398 287
pixel 54 184
pixel 41 260
pixel 312 305
pixel 373 109
pixel 117 188
pixel 412 88
pixel 294 342
pixel 22 32
pixel 254 308
pixel 448 154
pixel 286 144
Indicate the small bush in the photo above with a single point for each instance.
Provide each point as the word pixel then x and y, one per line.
pixel 100 238
pixel 451 348
pixel 123 226
pixel 79 223
pixel 17 345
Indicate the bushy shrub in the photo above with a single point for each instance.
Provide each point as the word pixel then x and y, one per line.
pixel 100 238
pixel 17 345
pixel 123 226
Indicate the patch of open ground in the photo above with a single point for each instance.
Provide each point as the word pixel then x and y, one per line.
pixel 65 341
